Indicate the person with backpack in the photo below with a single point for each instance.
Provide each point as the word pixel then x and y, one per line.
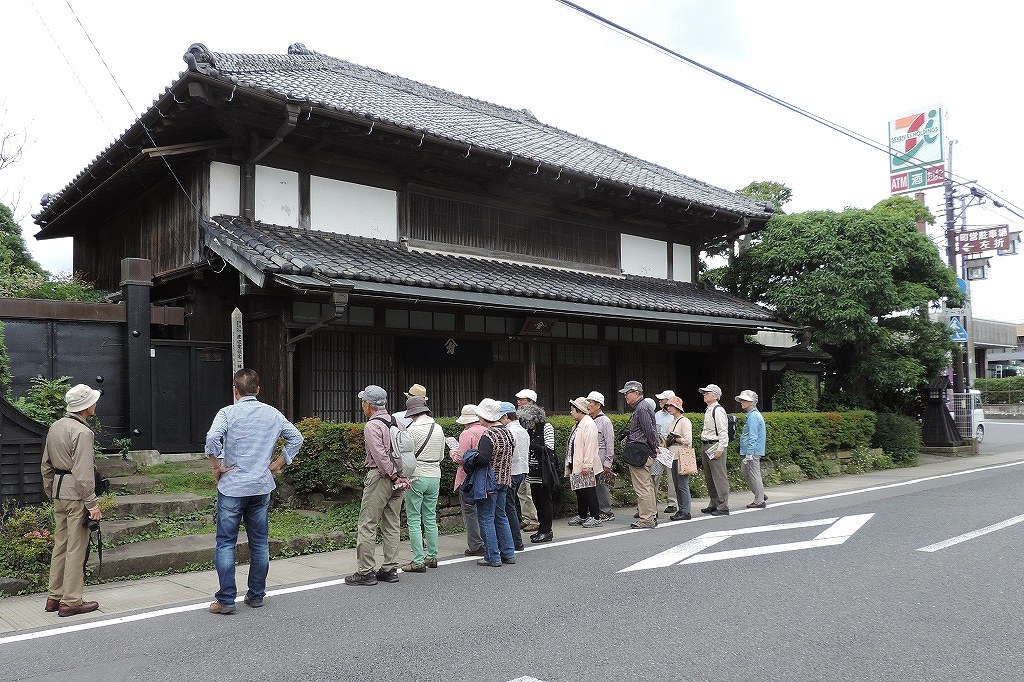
pixel 714 438
pixel 383 491
pixel 752 447
pixel 543 469
pixel 69 481
pixel 425 439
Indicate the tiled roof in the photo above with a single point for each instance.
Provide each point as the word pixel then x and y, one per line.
pixel 294 251
pixel 323 81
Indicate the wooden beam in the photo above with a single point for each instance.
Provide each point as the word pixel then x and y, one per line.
pixel 188 147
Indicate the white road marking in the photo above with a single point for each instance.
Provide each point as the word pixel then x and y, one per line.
pixel 526 679
pixel 330 583
pixel 692 551
pixel 973 534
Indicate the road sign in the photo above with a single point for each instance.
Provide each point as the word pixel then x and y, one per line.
pixel 692 551
pixel 996 237
pixel 957 333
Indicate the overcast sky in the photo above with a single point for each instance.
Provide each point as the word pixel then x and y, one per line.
pixel 858 64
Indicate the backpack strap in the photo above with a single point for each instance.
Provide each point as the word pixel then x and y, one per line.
pixel 714 421
pixel 425 441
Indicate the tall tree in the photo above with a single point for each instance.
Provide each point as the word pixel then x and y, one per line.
pixel 857 278
pixel 775 193
pixel 13 251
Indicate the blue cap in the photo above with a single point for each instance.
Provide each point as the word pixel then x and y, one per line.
pixel 508 408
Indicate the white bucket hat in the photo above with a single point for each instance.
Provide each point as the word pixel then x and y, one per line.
pixel 81 397
pixel 529 394
pixel 712 388
pixel 596 397
pixel 665 395
pixel 468 415
pixel 489 409
pixel 747 394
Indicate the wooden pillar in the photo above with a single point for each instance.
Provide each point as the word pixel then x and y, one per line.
pixel 136 280
pixel 530 363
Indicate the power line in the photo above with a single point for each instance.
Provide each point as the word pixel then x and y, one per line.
pixel 821 120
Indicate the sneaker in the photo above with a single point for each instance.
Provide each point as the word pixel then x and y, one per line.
pixel 387 576
pixel 252 603
pixel 223 609
pixel 755 505
pixel 474 552
pixel 485 562
pixel 358 578
pixel 679 516
pixel 431 562
pixel 576 520
pixel 413 567
pixel 643 524
pixel 520 548
pixel 509 560
pixel 606 516
pixel 531 527
pixel 591 523
pixel 707 510
pixel 671 509
pixel 720 512
pixel 539 537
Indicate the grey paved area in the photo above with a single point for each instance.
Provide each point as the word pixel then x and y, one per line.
pixel 25 613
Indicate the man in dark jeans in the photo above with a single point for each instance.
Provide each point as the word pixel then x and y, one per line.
pixel 240 445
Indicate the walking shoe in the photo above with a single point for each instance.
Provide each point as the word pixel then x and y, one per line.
pixel 252 603
pixel 431 562
pixel 679 516
pixel 519 548
pixel 474 552
pixel 606 516
pixel 765 498
pixel 413 567
pixel 671 509
pixel 643 524
pixel 358 578
pixel 591 523
pixel 576 520
pixel 387 576
pixel 755 505
pixel 542 537
pixel 485 562
pixel 720 512
pixel 509 560
pixel 637 515
pixel 215 607
pixel 707 510
pixel 85 607
pixel 531 527
pixel 52 605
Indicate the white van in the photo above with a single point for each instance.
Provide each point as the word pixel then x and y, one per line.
pixel 969 415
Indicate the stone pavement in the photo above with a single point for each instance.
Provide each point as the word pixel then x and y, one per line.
pixel 24 613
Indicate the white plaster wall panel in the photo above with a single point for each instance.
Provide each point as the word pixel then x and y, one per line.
pixel 348 208
pixel 682 263
pixel 225 179
pixel 645 257
pixel 277 196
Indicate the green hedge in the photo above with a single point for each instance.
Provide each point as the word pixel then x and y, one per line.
pixel 899 437
pixel 1005 391
pixel 331 461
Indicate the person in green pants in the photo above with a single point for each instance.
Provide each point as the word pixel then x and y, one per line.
pixel 425 438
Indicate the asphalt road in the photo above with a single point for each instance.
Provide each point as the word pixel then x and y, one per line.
pixel 872 608
pixel 1001 436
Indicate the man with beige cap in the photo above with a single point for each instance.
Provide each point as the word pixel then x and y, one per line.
pixel 752 447
pixel 714 437
pixel 69 480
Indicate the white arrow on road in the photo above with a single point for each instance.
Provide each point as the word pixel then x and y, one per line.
pixel 690 552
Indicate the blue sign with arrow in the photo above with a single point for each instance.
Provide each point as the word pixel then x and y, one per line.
pixel 957 333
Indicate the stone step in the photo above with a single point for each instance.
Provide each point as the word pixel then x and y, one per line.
pixel 119 530
pixel 161 504
pixel 134 484
pixel 169 554
pixel 115 466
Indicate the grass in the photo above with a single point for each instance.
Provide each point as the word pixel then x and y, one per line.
pixel 181 477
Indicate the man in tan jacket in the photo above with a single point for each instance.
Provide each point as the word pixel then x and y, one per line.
pixel 68 479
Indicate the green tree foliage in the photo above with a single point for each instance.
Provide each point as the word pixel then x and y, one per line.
pixel 5 366
pixel 795 394
pixel 44 399
pixel 22 277
pixel 775 193
pixel 858 278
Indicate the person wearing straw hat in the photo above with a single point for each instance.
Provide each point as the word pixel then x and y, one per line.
pixel 605 450
pixel 67 468
pixel 496 448
pixel 680 442
pixel 426 439
pixel 752 447
pixel 582 462
pixel 472 429
pixel 415 391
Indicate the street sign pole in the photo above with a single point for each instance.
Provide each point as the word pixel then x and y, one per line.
pixel 958 372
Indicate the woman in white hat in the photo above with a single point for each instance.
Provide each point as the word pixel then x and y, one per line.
pixel 680 442
pixel 582 462
pixel 468 440
pixel 496 448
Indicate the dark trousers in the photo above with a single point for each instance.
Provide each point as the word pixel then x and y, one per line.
pixel 542 500
pixel 511 512
pixel 586 503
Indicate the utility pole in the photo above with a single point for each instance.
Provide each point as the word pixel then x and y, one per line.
pixel 958 363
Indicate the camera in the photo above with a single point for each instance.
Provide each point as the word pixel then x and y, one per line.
pixel 90 523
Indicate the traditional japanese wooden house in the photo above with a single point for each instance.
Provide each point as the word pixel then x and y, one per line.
pixel 374 229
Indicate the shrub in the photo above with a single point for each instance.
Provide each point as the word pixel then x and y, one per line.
pixel 26 543
pixel 1005 391
pixel 899 437
pixel 44 399
pixel 795 394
